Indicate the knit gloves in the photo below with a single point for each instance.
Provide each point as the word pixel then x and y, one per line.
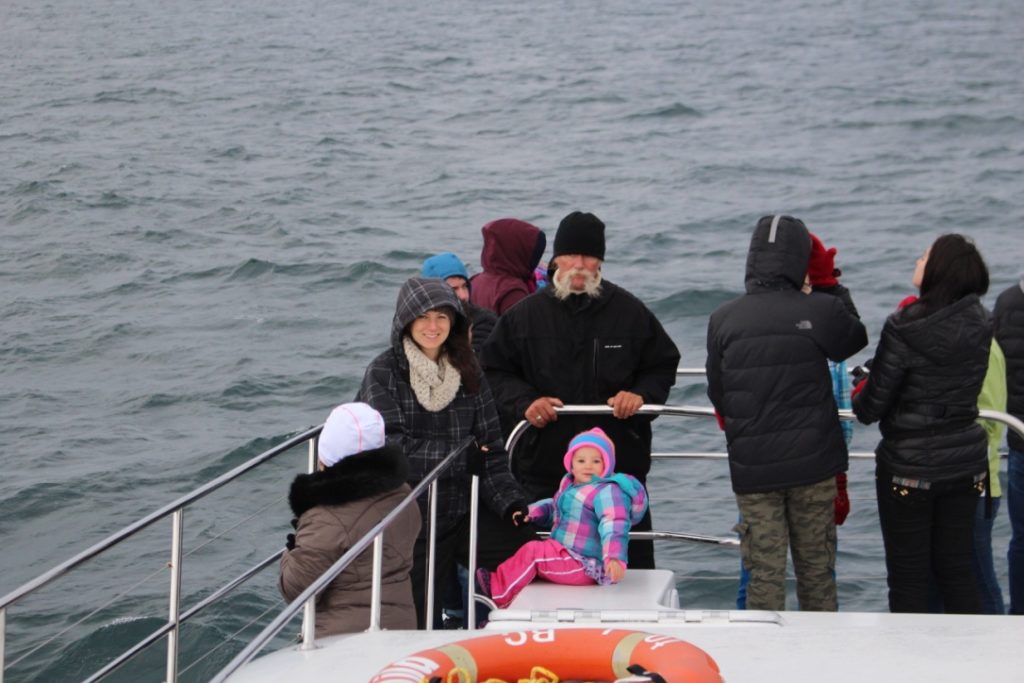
pixel 821 267
pixel 842 501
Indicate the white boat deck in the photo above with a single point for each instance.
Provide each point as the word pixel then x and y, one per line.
pixel 791 647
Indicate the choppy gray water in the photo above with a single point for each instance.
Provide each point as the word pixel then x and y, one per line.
pixel 207 209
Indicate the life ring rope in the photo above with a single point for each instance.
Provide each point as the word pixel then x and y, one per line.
pixel 538 674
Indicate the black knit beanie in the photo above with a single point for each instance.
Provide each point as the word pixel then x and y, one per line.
pixel 580 233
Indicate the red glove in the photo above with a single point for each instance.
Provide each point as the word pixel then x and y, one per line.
pixel 858 387
pixel 821 267
pixel 842 501
pixel 906 301
pixel 720 420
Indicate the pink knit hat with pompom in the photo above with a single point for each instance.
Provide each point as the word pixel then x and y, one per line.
pixel 595 438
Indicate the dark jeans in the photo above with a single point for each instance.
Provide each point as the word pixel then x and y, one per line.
pixel 1015 507
pixel 984 570
pixel 929 531
pixel 497 541
pixel 989 593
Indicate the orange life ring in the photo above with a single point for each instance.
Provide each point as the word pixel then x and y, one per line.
pixel 593 654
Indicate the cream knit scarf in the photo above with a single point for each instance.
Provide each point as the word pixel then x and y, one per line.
pixel 435 384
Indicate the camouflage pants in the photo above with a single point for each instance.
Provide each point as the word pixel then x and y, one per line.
pixel 803 519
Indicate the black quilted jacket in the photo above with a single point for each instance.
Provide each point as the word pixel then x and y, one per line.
pixel 924 384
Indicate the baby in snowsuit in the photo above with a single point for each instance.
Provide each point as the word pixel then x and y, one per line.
pixel 590 517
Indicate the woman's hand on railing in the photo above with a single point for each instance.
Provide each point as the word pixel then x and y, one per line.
pixel 475 455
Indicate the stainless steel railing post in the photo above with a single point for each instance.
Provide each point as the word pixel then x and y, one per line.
pixel 177 524
pixel 313 445
pixel 3 641
pixel 378 569
pixel 309 624
pixel 309 610
pixel 431 552
pixel 474 499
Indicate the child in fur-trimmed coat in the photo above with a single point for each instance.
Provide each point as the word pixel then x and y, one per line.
pixel 360 481
pixel 590 518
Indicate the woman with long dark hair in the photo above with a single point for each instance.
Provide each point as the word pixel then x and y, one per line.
pixel 932 463
pixel 433 395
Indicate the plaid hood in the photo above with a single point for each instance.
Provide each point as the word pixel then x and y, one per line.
pixel 419 295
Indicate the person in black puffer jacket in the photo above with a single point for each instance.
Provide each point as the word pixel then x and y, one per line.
pixel 925 379
pixel 769 380
pixel 1009 332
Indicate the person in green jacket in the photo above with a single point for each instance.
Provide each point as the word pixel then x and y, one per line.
pixel 992 397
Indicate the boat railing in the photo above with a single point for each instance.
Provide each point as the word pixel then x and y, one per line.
pixel 307 598
pixel 306 601
pixel 174 510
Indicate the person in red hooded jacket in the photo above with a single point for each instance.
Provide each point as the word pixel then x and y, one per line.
pixel 512 250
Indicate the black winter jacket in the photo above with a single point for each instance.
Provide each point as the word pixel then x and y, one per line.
pixel 924 384
pixel 584 351
pixel 1009 332
pixel 767 368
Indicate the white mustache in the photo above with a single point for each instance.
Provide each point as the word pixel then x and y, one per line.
pixel 563 283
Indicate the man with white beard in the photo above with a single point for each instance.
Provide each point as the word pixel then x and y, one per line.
pixel 581 340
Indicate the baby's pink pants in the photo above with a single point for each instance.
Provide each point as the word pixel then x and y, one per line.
pixel 547 559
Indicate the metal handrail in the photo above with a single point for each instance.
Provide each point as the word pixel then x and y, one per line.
pixel 307 598
pixel 282 619
pixel 174 509
pixel 645 409
pixel 1007 419
pixel 156 635
pixel 845 415
pixel 153 517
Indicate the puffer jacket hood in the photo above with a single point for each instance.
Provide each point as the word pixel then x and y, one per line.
pixel 512 247
pixel 419 295
pixel 952 334
pixel 779 252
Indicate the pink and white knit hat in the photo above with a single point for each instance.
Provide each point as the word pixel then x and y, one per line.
pixel 351 428
pixel 598 439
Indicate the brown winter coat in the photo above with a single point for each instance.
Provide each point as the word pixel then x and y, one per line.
pixel 335 508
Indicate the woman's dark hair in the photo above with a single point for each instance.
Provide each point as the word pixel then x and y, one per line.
pixel 954 270
pixel 459 351
pixel 457 348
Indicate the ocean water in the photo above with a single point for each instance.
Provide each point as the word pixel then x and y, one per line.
pixel 207 210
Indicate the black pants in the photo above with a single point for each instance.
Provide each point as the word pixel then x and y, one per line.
pixel 497 540
pixel 929 532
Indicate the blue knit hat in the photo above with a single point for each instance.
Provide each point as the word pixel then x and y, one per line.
pixel 444 265
pixel 597 439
